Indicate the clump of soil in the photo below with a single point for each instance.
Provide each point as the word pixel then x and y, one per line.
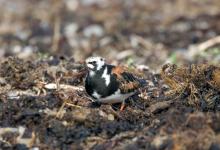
pixel 21 74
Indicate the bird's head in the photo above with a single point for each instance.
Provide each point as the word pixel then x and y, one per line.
pixel 95 63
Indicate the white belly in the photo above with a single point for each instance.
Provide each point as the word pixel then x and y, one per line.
pixel 115 98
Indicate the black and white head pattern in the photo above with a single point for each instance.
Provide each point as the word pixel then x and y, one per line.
pixel 95 63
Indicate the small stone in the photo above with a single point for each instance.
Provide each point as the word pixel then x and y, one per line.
pixel 71 29
pixel 93 30
pixel 102 113
pixel 80 115
pixel 159 140
pixel 111 117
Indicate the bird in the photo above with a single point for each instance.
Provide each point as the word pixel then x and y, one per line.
pixel 109 84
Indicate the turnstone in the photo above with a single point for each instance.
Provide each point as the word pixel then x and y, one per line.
pixel 106 83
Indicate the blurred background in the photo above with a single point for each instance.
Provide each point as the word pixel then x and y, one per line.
pixel 150 32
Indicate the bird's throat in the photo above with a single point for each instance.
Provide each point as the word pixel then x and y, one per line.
pixel 91 73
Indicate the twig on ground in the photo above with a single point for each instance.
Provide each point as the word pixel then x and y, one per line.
pixel 159 106
pixel 196 49
pixel 16 94
pixel 209 43
pixel 72 105
pixel 61 111
pixel 57 25
pixel 53 86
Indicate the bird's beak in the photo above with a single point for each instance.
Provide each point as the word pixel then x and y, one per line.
pixel 90 66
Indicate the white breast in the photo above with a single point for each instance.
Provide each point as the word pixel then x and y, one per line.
pixel 106 76
pixel 96 95
pixel 116 97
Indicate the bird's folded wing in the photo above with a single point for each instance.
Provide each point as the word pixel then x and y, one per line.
pixel 127 81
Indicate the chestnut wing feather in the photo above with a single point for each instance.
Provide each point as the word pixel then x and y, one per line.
pixel 127 81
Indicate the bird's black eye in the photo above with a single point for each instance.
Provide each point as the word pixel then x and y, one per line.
pixel 92 62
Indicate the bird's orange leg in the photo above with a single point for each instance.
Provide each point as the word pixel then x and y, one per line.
pixel 122 106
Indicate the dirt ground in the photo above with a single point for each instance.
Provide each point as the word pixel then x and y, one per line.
pixel 174 45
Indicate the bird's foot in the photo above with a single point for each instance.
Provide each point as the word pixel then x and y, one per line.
pixel 122 106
